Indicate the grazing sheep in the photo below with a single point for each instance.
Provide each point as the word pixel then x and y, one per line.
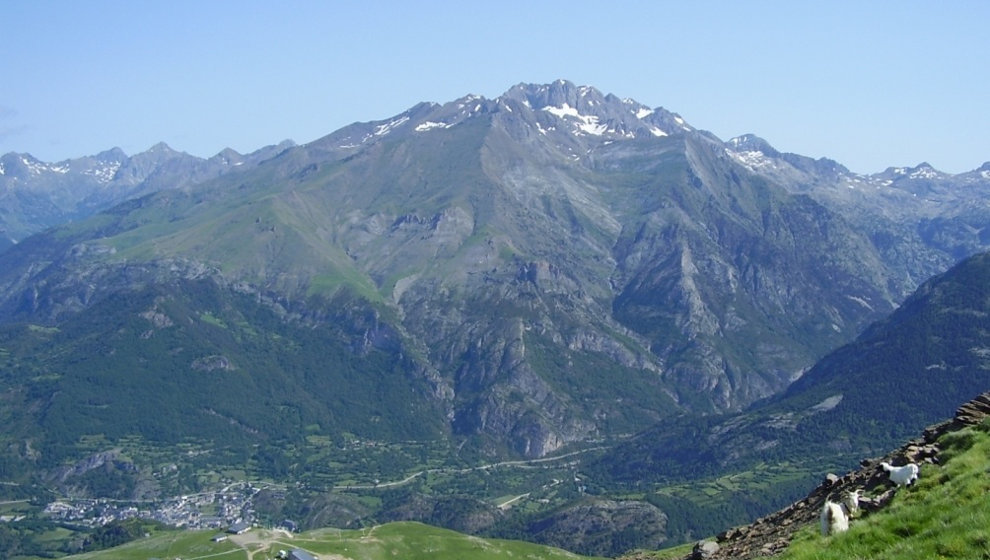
pixel 835 518
pixel 901 476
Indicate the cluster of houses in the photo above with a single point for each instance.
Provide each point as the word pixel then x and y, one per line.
pixel 206 510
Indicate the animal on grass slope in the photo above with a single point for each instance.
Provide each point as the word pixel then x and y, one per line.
pixel 834 518
pixel 850 499
pixel 902 476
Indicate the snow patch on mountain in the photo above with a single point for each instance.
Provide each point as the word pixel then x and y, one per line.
pixel 104 173
pixel 591 124
pixel 35 167
pixel 643 112
pixel 753 160
pixel 383 129
pixel 429 125
pixel 587 123
pixel 592 127
pixel 924 172
pixel 467 100
pixel 563 111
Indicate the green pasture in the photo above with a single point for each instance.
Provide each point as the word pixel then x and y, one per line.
pixel 406 540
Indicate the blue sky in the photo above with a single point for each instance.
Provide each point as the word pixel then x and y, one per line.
pixel 869 84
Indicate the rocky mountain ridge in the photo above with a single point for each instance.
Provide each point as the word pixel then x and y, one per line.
pixel 561 265
pixel 36 195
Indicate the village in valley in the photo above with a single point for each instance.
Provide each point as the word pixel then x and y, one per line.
pixel 228 509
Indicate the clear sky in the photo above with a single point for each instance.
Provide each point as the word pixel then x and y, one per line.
pixel 870 84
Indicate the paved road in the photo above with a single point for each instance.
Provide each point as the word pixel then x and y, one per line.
pixel 520 463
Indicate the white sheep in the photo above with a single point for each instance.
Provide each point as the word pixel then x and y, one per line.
pixel 901 476
pixel 835 518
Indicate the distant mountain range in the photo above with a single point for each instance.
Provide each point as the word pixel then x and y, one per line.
pixel 553 266
pixel 36 195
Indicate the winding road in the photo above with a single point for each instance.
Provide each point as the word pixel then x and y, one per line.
pixel 519 463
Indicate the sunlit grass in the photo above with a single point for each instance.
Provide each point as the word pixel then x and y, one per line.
pixel 409 541
pixel 946 515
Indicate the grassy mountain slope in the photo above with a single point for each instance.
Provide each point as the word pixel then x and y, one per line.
pixel 940 515
pixel 405 540
pixel 945 515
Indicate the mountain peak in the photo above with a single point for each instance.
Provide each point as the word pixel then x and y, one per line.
pixel 752 143
pixel 114 154
pixel 557 94
pixel 161 147
pixel 923 170
pixel 228 156
pixel 588 111
pixel 560 109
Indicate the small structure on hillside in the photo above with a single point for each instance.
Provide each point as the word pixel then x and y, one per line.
pixel 239 528
pixel 300 554
pixel 219 537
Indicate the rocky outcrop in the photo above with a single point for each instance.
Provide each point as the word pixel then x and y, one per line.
pixel 110 459
pixel 210 363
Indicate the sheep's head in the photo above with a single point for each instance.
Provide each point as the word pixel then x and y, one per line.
pixel 851 500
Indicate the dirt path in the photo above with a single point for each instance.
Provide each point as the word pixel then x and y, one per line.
pixel 508 503
pixel 262 540
pixel 257 540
